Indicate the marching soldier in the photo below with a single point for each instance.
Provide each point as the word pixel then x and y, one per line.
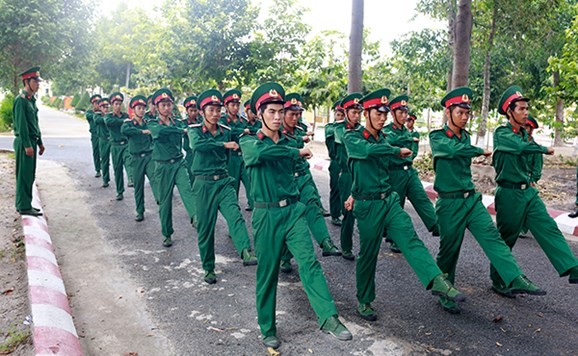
pixel 27 139
pixel 140 148
pixel 103 140
pixel 403 178
pixel 190 105
pixel 409 124
pixel 308 193
pixel 279 218
pixel 214 189
pixel 517 201
pixel 535 160
pixel 152 113
pixel 170 169
pixel 232 119
pixel 93 132
pixel 252 123
pixel 334 168
pixel 353 109
pixel 118 144
pixel 459 206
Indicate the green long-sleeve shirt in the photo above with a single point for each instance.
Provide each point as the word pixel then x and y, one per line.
pixel 167 139
pixel 296 141
pixel 25 116
pixel 101 128
pixel 138 142
pixel 237 127
pixel 415 144
pixel 399 137
pixel 186 123
pixel 210 154
pixel 90 118
pixel 271 167
pixel 330 140
pixel 340 152
pixel 114 123
pixel 452 158
pixel 254 127
pixel 536 163
pixel 511 150
pixel 369 161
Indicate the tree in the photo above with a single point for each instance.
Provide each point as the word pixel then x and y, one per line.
pixel 463 35
pixel 355 46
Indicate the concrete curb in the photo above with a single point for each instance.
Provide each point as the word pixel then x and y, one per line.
pixel 566 224
pixel 54 332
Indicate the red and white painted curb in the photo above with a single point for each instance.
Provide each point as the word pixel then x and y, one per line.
pixel 566 224
pixel 53 328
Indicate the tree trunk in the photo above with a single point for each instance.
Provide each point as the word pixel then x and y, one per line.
pixel 451 37
pixel 487 64
pixel 355 46
pixel 559 124
pixel 127 82
pixel 463 35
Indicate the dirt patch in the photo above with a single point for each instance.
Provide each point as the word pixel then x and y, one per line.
pixel 15 328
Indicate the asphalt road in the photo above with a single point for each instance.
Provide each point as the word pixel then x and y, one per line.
pixel 221 319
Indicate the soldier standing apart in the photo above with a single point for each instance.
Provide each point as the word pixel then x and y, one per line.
pixel 27 139
pixel 403 178
pixel 140 147
pixel 517 201
pixel 214 189
pixel 335 206
pixel 376 207
pixel 103 140
pixel 253 124
pixel 170 169
pixel 353 111
pixel 93 132
pixel 459 206
pixel 236 167
pixel 118 144
pixel 190 105
pixel 279 218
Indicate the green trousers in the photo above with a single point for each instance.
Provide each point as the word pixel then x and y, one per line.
pixel 406 184
pixel 104 150
pixel 236 169
pixel 213 197
pixel 169 174
pixel 94 141
pixel 516 208
pixel 142 165
pixel 335 205
pixel 189 162
pixel 25 174
pixel 120 158
pixel 347 224
pixel 274 229
pixel 457 215
pixel 373 216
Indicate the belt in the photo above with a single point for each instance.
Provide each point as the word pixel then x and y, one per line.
pixel 213 178
pixel 276 204
pixel 375 196
pixel 457 195
pixel 300 173
pixel 119 142
pixel 143 154
pixel 237 153
pixel 403 167
pixel 169 161
pixel 522 186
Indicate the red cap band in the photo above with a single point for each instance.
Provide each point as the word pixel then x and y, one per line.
pixel 456 100
pixel 30 75
pixel 210 99
pixel 509 100
pixel 272 94
pixel 373 102
pixel 138 102
pixel 528 122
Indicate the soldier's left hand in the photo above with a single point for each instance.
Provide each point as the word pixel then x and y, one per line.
pixel 247 131
pixel 306 139
pixel 405 152
pixel 550 151
pixel 415 139
pixel 41 149
pixel 349 203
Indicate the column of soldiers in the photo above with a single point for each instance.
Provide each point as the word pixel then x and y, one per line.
pixel 207 155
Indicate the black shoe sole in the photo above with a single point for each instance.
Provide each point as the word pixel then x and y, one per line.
pixel 521 291
pixel 339 337
pixel 286 270
pixel 502 294
pixel 325 254
pixel 453 311
pixel 458 298
pixel 368 317
pixel 573 280
pixel 250 263
pixel 210 280
pixel 395 250
pixel 349 258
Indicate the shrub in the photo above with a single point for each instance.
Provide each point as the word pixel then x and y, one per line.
pixel 75 100
pixel 6 115
pixel 83 103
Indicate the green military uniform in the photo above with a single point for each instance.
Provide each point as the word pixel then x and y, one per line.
pixel 255 125
pixel 214 189
pixel 459 206
pixel 118 146
pixel 94 135
pixel 236 167
pixel 414 134
pixel 404 179
pixel 140 147
pixel 279 223
pixel 190 101
pixel 535 160
pixel 149 114
pixel 334 169
pixel 517 201
pixel 345 179
pixel 376 207
pixel 170 169
pixel 103 141
pixel 27 135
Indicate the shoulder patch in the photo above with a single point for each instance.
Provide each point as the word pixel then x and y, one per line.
pixel 225 127
pixel 366 134
pixel 449 133
pixel 260 135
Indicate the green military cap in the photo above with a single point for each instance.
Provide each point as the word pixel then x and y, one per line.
pixel 511 95
pixel 352 101
pixel 116 97
pixel 95 97
pixel 163 94
pixel 247 104
pixel 461 96
pixel 337 106
pixel 232 96
pixel 399 103
pixel 149 98
pixel 190 101
pixel 411 116
pixel 378 99
pixel 138 100
pixel 103 101
pixel 532 122
pixel 33 72
pixel 267 93
pixel 210 97
pixel 293 101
